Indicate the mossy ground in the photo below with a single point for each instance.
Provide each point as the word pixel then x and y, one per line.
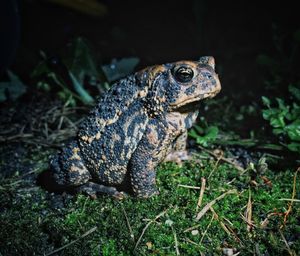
pixel 36 222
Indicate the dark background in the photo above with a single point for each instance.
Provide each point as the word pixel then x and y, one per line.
pixel 234 32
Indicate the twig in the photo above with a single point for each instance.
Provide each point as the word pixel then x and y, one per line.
pixel 203 183
pixel 128 224
pixel 76 240
pixel 210 204
pixel 289 199
pixel 146 227
pixel 187 186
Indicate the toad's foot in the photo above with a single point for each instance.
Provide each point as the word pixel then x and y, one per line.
pixel 147 193
pixel 93 189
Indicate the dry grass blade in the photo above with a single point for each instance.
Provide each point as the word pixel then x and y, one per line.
pixel 291 252
pixel 210 204
pixel 176 241
pixel 203 183
pixel 46 126
pixel 286 214
pixel 67 245
pixel 187 186
pixel 225 227
pixel 289 199
pixel 147 226
pixel 226 160
pixel 190 241
pixel 248 213
pixel 211 220
pixel 265 222
pixel 192 228
pixel 248 223
pixel 219 157
pixel 16 137
pixel 128 224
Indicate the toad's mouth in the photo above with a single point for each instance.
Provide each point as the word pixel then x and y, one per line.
pixel 194 103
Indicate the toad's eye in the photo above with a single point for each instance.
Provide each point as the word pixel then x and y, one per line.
pixel 183 74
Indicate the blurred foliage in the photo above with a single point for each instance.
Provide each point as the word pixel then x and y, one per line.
pixel 285 118
pixel 77 75
pixel 284 63
pixel 283 112
pixel 11 89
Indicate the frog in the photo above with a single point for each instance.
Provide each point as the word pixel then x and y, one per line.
pixel 141 121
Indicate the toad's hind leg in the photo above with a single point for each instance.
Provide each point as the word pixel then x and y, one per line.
pixel 68 168
pixel 69 171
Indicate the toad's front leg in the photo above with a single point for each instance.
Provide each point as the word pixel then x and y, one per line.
pixel 148 154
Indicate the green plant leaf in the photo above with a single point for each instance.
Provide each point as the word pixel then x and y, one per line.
pixel 270 113
pixel 295 112
pixel 79 60
pixel 278 131
pixel 209 137
pixel 11 89
pixel 266 101
pixel 294 146
pixel 199 129
pixel 84 95
pixel 294 91
pixel 277 122
pixel 120 68
pixel 41 69
pixel 212 132
pixel 284 108
pixel 293 130
pixel 271 146
pixel 192 133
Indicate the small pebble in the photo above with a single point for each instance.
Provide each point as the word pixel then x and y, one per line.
pixel 195 232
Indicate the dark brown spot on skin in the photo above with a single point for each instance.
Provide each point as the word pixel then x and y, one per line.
pixel 190 90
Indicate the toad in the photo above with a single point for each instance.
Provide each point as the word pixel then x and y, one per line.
pixel 141 121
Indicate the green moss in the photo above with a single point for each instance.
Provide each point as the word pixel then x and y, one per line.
pixel 31 225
